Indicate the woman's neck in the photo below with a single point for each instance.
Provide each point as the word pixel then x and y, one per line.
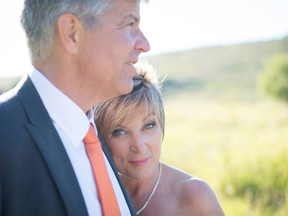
pixel 141 190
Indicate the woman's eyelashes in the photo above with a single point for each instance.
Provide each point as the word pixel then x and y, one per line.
pixel 150 125
pixel 118 132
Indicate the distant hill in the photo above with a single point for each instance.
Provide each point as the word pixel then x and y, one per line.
pixel 7 83
pixel 219 71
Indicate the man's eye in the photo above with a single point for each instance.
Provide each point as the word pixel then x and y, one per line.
pixel 118 132
pixel 131 24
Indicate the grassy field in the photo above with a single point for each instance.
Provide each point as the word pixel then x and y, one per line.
pixel 210 139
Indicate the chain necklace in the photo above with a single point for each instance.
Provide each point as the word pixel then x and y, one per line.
pixel 153 191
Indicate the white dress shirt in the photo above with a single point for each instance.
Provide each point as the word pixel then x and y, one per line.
pixel 72 124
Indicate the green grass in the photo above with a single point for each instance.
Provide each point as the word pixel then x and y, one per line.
pixel 210 138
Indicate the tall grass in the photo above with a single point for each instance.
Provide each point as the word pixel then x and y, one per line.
pixel 211 138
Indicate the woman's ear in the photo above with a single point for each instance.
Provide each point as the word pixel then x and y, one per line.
pixel 68 27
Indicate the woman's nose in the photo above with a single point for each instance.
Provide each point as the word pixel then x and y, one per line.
pixel 138 144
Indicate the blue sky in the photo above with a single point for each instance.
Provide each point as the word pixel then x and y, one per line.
pixel 169 25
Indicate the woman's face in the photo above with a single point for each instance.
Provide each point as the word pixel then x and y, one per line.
pixel 136 144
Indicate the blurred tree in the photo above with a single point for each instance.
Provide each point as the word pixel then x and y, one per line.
pixel 274 80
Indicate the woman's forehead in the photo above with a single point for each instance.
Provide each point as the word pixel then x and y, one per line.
pixel 142 109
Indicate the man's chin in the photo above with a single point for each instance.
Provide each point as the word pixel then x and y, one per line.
pixel 131 70
pixel 128 88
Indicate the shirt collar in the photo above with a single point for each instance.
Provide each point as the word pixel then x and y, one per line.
pixel 69 117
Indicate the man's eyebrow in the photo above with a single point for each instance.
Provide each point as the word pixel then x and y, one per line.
pixel 134 17
pixel 130 16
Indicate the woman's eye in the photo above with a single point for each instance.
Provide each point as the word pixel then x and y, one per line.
pixel 150 125
pixel 118 132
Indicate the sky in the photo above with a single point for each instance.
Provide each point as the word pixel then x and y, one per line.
pixel 169 25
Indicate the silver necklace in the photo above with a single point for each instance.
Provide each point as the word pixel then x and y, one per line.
pixel 153 191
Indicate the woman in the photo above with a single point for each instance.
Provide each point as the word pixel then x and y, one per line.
pixel 133 127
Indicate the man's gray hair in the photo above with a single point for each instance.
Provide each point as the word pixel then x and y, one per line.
pixel 39 20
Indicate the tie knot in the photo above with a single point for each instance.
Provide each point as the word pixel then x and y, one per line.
pixel 91 136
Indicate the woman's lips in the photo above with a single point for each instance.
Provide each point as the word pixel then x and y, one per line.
pixel 140 163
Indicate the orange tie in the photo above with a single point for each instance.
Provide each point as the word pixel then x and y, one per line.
pixel 105 190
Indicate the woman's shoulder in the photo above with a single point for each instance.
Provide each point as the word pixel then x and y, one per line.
pixel 186 183
pixel 175 173
pixel 194 194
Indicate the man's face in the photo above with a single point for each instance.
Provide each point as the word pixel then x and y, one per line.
pixel 107 55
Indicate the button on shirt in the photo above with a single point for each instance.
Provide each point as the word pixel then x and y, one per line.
pixel 72 125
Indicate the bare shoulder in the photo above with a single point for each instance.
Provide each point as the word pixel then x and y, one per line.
pixel 199 196
pixel 194 195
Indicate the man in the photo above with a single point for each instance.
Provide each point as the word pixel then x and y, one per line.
pixel 83 53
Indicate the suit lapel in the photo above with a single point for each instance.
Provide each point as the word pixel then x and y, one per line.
pixel 49 144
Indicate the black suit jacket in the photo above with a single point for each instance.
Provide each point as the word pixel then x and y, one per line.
pixel 36 175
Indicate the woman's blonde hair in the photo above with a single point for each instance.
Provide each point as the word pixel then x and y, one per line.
pixel 146 93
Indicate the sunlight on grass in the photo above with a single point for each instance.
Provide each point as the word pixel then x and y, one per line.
pixel 209 138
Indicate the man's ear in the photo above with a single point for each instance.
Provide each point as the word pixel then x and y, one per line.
pixel 68 26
